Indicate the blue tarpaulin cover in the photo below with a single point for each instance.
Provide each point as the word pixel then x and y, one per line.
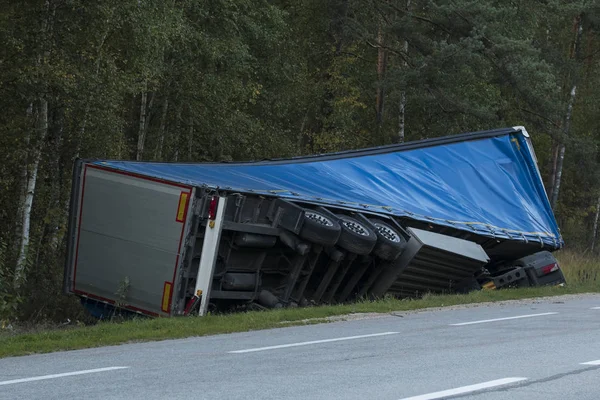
pixel 485 182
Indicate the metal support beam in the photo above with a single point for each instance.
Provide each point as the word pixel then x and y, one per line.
pixel 312 262
pixel 297 265
pixel 331 269
pixel 356 276
pixel 339 277
pixel 372 278
pixel 393 270
pixel 208 259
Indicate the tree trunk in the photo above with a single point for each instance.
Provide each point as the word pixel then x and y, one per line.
pixel 595 231
pixel 303 138
pixel 401 117
pixel 54 220
pixel 40 133
pixel 552 167
pixel 567 126
pixel 177 133
pixel 161 130
pixel 402 105
pixel 381 69
pixel 190 139
pixel 142 129
pixel 42 128
pixel 561 153
pixel 24 172
pixel 149 111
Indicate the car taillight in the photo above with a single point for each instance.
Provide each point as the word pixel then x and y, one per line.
pixel 550 268
pixel 212 208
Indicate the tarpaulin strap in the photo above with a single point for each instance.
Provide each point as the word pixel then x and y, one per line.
pixel 492 231
pixel 472 227
pixel 541 241
pixel 524 237
pixel 507 233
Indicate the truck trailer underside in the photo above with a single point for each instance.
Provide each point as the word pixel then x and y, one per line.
pixel 162 246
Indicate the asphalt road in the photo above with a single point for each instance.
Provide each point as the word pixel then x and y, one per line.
pixel 472 353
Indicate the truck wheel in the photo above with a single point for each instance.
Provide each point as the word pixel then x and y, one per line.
pixel 390 243
pixel 356 237
pixel 319 228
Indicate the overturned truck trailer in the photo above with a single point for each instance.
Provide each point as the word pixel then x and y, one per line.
pixel 440 215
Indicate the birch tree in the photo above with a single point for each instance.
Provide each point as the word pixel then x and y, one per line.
pixel 575 55
pixel 37 141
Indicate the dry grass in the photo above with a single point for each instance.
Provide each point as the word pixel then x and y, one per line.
pixel 580 268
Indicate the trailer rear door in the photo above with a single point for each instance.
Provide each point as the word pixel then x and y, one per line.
pixel 127 233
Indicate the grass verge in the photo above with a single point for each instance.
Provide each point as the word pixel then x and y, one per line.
pixel 107 333
pixel 582 273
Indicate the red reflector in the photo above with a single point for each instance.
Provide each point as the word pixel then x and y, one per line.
pixel 212 208
pixel 550 268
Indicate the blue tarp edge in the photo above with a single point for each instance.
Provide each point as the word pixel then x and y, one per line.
pixel 241 172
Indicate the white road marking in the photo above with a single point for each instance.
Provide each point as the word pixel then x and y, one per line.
pixel 283 346
pixel 595 308
pixel 54 376
pixel 597 362
pixel 503 319
pixel 465 389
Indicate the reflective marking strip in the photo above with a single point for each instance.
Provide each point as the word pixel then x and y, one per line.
pixel 283 346
pixel 595 308
pixel 181 210
pixel 166 298
pixel 597 362
pixel 54 376
pixel 503 319
pixel 465 389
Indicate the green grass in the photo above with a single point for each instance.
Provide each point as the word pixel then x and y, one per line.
pixel 582 272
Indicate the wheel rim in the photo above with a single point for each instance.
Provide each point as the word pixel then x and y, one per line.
pixel 388 233
pixel 356 228
pixel 321 219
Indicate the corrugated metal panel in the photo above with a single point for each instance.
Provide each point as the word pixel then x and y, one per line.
pixel 431 263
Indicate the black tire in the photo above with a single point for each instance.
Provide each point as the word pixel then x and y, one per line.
pixel 356 237
pixel 390 243
pixel 320 228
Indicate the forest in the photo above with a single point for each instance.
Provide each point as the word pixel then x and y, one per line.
pixel 222 80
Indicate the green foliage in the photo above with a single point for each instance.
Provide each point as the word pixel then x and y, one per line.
pixel 9 301
pixel 239 80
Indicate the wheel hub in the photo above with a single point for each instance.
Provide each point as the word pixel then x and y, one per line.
pixel 387 233
pixel 356 228
pixel 321 219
